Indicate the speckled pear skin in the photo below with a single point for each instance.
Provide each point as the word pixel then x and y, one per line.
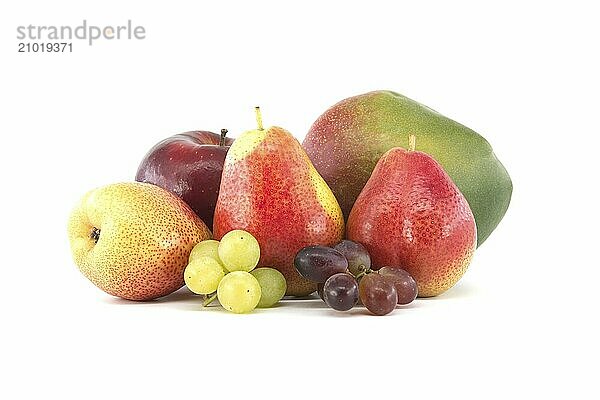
pixel 146 236
pixel 348 139
pixel 270 188
pixel 411 215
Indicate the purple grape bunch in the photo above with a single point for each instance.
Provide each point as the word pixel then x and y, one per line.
pixel 344 276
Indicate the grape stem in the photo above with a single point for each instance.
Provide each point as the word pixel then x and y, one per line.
pixel 209 298
pixel 363 271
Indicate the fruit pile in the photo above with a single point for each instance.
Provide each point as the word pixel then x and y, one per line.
pixel 225 270
pixel 384 200
pixel 344 276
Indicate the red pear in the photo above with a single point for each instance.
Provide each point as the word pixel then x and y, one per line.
pixel 271 189
pixel 411 215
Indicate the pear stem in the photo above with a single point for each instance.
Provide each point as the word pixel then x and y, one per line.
pixel 223 134
pixel 412 142
pixel 258 118
pixel 209 299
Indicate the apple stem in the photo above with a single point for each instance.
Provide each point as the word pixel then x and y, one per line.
pixel 412 142
pixel 223 134
pixel 209 299
pixel 258 118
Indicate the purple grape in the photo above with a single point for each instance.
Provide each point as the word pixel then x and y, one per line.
pixel 377 294
pixel 340 291
pixel 405 285
pixel 317 263
pixel 356 254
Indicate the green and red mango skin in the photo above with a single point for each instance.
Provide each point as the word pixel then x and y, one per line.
pixel 271 192
pixel 411 215
pixel 346 142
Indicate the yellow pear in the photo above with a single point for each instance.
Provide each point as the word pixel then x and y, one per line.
pixel 133 240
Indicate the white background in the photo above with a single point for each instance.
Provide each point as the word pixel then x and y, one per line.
pixel 520 324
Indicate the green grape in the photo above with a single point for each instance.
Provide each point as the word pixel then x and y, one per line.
pixel 209 248
pixel 203 274
pixel 239 251
pixel 239 292
pixel 272 286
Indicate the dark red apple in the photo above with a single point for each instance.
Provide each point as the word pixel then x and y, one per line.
pixel 190 165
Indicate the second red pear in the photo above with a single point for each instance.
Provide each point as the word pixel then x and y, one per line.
pixel 411 215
